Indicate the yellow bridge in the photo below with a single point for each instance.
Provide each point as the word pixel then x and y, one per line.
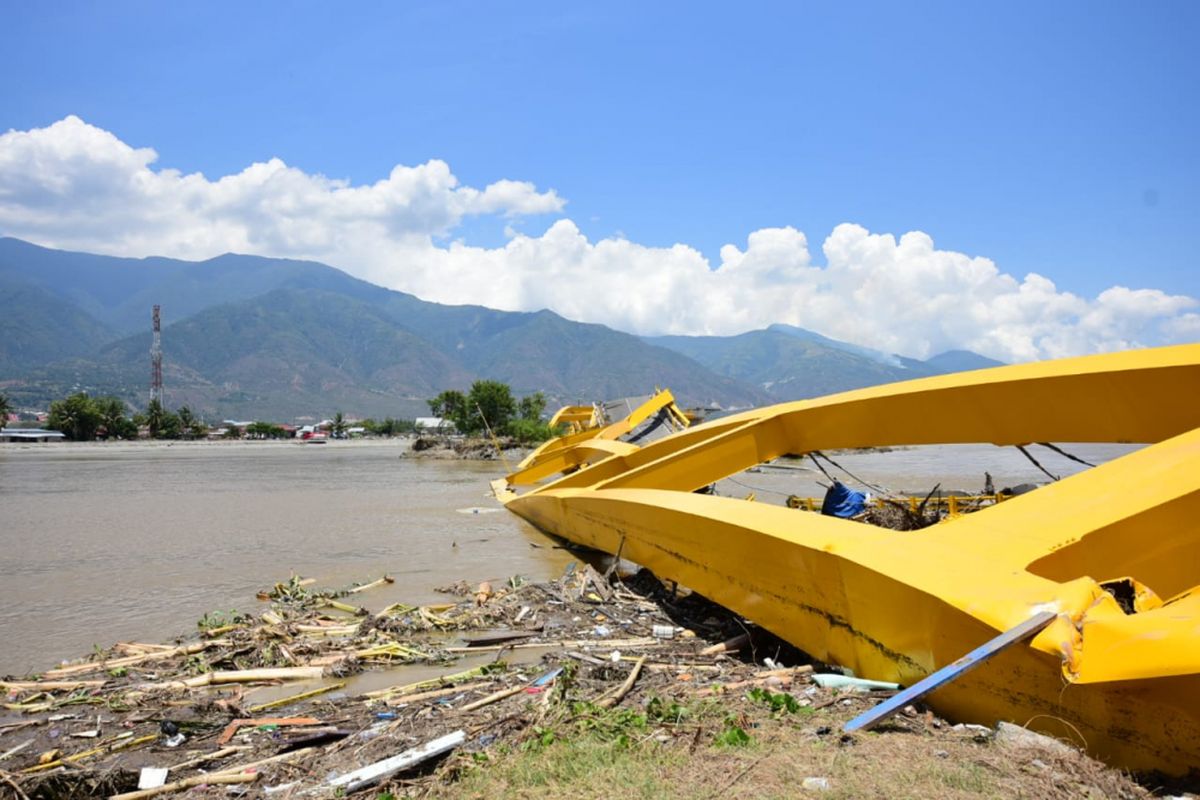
pixel 1113 551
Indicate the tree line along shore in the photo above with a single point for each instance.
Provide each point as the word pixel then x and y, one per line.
pixel 489 407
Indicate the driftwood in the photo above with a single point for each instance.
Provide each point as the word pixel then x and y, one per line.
pixel 610 699
pixel 436 693
pixel 92 666
pixel 440 681
pixel 213 633
pixel 13 751
pixel 213 756
pixel 607 643
pixel 784 675
pixel 728 646
pixel 141 648
pixel 242 676
pixel 668 667
pixel 109 748
pixel 494 697
pixel 236 774
pixel 372 584
pixel 358 611
pixel 283 701
pixel 390 649
pixel 233 727
pixel 262 762
pixel 337 629
pixel 44 686
pixel 187 783
pixel 20 794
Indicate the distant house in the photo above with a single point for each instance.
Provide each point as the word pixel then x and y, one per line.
pixel 30 435
pixel 433 424
pixel 233 427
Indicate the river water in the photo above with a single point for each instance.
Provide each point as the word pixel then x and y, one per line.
pixel 102 543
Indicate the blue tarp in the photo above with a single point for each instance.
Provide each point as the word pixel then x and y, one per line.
pixel 842 501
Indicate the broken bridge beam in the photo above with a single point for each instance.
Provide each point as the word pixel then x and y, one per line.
pixel 952 671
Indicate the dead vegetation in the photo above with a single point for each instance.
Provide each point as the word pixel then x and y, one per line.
pixel 457 447
pixel 584 686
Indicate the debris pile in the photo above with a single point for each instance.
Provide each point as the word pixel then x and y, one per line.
pixel 318 697
pixel 465 448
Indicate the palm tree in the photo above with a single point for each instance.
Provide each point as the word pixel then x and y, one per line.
pixel 6 408
pixel 338 426
pixel 187 421
pixel 153 418
pixel 112 418
pixel 191 426
pixel 162 424
pixel 76 416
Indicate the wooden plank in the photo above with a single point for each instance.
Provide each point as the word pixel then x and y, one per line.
pixel 233 727
pixel 950 672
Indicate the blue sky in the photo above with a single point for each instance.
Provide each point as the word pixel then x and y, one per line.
pixel 1054 138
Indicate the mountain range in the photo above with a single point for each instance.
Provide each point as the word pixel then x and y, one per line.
pixel 791 363
pixel 252 337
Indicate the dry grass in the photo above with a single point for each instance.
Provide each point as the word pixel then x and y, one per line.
pixel 654 761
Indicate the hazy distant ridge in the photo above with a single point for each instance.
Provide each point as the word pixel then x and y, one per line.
pixel 251 336
pixel 791 363
pixel 245 335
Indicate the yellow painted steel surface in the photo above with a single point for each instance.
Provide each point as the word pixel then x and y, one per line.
pixel 576 417
pixel 555 455
pixel 898 605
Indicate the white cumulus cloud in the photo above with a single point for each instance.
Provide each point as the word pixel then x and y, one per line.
pixel 76 186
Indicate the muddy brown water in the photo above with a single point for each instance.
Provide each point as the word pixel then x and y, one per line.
pixel 105 543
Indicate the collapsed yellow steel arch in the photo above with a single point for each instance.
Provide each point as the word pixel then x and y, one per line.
pixel 899 605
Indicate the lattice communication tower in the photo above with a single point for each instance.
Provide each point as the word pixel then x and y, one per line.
pixel 156 362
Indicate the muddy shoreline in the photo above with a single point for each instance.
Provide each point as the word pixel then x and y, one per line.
pixel 312 686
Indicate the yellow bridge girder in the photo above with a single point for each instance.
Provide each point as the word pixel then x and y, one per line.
pixel 899 605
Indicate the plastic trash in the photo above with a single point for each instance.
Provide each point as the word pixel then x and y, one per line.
pixel 549 676
pixel 152 777
pixel 370 733
pixel 842 501
pixel 857 684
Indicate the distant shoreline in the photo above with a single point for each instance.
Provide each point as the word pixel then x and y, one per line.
pixel 400 443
